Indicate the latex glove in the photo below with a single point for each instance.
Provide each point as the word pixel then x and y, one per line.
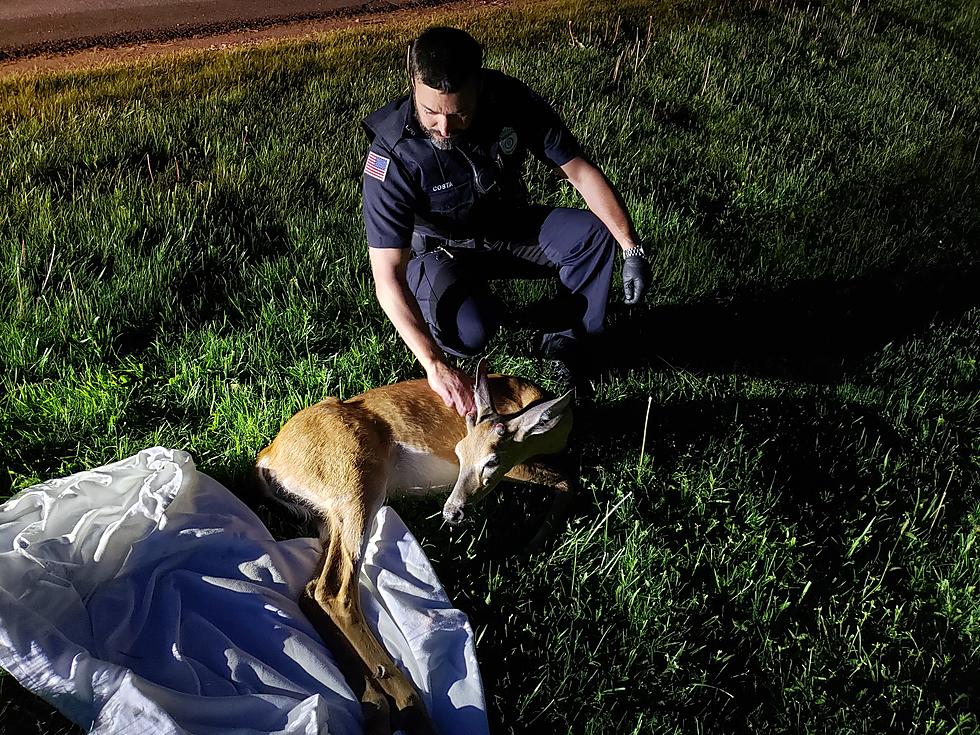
pixel 636 278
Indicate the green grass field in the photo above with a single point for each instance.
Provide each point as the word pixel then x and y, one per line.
pixel 793 546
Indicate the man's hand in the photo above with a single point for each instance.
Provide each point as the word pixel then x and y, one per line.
pixel 453 386
pixel 636 278
pixel 606 203
pixel 388 266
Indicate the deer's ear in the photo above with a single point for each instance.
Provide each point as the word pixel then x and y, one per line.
pixel 543 417
pixel 481 393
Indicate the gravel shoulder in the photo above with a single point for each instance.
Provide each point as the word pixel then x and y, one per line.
pixel 51 35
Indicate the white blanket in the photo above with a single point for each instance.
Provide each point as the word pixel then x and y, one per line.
pixel 143 597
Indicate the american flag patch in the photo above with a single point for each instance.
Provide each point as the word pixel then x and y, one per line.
pixel 376 166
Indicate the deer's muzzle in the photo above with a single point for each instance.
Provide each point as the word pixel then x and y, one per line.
pixel 453 514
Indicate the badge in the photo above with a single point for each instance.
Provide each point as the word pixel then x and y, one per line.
pixel 508 140
pixel 376 166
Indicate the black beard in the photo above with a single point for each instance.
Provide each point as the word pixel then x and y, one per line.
pixel 443 144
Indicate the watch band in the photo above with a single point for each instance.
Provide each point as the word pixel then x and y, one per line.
pixel 633 252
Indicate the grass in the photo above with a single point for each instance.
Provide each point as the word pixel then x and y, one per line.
pixel 780 501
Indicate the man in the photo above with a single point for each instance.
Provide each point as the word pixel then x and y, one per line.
pixel 445 211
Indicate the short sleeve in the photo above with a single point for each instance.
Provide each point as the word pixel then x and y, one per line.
pixel 548 138
pixel 388 201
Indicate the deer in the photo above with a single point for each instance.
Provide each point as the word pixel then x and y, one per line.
pixel 339 461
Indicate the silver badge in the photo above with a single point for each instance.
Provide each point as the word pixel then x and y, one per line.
pixel 508 140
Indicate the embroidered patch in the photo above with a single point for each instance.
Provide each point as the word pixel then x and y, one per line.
pixel 376 166
pixel 508 140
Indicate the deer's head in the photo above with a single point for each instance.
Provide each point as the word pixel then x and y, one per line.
pixel 495 443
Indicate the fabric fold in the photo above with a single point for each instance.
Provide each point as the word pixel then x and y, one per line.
pixel 143 596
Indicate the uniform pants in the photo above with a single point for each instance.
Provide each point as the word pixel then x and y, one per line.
pixel 451 284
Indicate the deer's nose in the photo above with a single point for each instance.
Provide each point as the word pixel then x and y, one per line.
pixel 453 516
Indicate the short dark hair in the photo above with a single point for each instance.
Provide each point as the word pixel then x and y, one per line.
pixel 444 58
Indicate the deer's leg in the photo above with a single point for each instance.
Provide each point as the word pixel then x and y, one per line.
pixel 335 591
pixel 374 702
pixel 559 480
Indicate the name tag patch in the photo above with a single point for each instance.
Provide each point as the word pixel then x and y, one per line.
pixel 376 166
pixel 443 187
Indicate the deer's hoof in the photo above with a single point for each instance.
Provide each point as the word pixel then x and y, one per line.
pixel 415 719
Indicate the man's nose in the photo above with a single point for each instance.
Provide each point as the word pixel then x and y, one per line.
pixel 442 125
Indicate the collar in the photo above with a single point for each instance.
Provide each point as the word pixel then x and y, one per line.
pixel 392 122
pixel 410 126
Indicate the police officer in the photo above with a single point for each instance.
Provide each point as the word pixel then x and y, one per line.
pixel 446 211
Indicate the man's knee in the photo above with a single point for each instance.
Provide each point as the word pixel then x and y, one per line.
pixel 475 328
pixel 578 236
pixel 466 332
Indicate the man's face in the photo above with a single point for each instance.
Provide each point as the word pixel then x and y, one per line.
pixel 443 115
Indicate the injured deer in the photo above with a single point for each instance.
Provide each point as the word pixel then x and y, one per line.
pixel 341 460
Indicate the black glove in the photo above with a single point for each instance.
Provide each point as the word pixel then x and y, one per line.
pixel 636 278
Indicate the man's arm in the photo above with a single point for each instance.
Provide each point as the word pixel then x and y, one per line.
pixel 603 199
pixel 388 266
pixel 606 203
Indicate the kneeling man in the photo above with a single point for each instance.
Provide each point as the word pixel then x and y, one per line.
pixel 446 210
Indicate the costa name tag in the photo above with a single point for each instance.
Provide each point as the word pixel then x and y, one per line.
pixel 376 166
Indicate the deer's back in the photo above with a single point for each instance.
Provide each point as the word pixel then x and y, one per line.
pixel 402 424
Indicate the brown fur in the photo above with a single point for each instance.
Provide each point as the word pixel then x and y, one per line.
pixel 337 457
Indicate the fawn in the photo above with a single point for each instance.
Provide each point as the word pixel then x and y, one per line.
pixel 340 461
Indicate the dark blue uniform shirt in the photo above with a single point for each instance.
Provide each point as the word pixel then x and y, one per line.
pixel 410 185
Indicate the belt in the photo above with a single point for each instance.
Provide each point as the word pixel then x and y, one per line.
pixel 423 243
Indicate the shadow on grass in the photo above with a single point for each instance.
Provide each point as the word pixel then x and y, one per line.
pixel 222 255
pixel 24 712
pixel 816 471
pixel 812 331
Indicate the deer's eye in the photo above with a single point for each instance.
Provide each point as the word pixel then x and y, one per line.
pixel 492 462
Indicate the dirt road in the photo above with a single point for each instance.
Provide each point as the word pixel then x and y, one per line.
pixel 38 35
pixel 33 27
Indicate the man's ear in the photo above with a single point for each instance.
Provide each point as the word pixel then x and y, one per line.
pixel 542 417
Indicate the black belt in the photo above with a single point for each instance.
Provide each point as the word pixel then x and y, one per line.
pixel 423 243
